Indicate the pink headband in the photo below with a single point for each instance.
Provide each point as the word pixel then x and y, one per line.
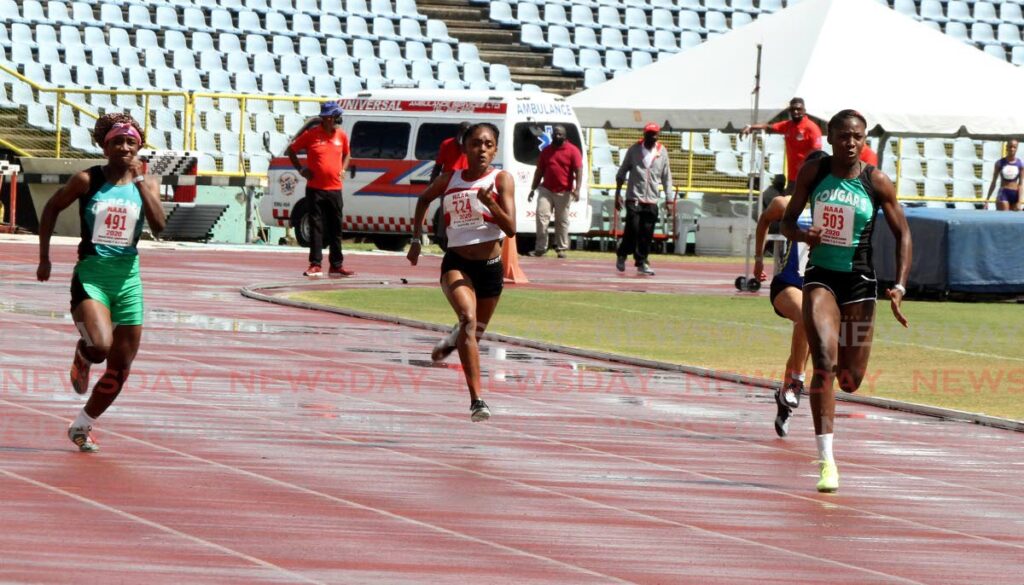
pixel 122 129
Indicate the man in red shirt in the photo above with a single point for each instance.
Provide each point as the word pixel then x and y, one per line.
pixel 327 157
pixel 560 166
pixel 802 136
pixel 450 156
pixel 868 156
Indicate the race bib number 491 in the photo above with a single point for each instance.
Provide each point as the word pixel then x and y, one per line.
pixel 836 223
pixel 115 224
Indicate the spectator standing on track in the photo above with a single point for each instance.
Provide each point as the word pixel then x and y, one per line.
pixel 802 136
pixel 480 210
pixel 560 166
pixel 646 165
pixel 327 156
pixel 106 288
pixel 1007 172
pixel 840 288
pixel 449 155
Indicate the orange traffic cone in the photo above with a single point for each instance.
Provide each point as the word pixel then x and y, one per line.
pixel 510 259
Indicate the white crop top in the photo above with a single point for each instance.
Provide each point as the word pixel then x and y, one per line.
pixel 467 220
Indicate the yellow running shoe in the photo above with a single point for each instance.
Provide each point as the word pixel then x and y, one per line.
pixel 829 481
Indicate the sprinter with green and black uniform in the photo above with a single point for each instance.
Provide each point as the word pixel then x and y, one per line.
pixel 106 288
pixel 839 288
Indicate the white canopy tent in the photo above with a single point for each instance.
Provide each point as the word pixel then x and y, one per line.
pixel 906 78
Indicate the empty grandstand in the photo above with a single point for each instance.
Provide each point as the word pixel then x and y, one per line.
pixel 217 77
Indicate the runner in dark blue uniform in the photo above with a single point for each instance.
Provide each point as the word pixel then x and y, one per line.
pixel 1007 171
pixel 787 299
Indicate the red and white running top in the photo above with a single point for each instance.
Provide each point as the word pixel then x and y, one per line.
pixel 467 220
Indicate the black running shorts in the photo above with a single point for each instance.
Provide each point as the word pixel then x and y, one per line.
pixel 846 287
pixel 486 276
pixel 778 285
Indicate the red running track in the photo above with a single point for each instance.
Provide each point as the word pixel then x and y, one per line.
pixel 263 444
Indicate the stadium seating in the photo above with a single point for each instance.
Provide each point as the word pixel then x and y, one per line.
pixel 244 46
pixel 326 47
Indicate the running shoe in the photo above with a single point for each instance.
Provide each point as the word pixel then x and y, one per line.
pixel 645 269
pixel 478 411
pixel 445 346
pixel 620 263
pixel 314 271
pixel 80 373
pixel 829 481
pixel 339 271
pixel 791 394
pixel 82 438
pixel 782 414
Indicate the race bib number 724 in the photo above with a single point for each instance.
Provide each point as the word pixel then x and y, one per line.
pixel 836 223
pixel 463 211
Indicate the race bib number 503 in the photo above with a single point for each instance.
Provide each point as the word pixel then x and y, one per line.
pixel 836 223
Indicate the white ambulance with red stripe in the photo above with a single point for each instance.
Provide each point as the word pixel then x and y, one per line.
pixel 395 135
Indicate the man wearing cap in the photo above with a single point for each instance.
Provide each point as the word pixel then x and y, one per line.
pixel 327 157
pixel 646 163
pixel 560 166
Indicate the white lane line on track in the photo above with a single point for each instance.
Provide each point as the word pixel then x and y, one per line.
pixel 156 525
pixel 338 500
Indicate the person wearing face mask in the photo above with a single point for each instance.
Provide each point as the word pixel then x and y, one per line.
pixel 560 166
pixel 646 164
pixel 327 156
pixel 802 136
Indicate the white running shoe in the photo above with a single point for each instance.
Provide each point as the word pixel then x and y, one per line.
pixel 82 438
pixel 445 347
pixel 478 411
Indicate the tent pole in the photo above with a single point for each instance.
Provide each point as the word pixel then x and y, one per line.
pixel 749 284
pixel 883 140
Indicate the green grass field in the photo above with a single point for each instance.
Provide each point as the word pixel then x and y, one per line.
pixel 956 355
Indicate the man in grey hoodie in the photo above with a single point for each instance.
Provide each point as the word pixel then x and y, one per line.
pixel 646 163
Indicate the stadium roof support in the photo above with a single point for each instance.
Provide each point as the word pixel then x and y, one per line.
pixel 906 78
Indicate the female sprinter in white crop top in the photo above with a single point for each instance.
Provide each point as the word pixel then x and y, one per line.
pixel 479 211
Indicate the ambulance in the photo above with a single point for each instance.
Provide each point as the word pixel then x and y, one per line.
pixel 395 135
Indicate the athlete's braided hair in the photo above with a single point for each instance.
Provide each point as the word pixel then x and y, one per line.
pixel 107 121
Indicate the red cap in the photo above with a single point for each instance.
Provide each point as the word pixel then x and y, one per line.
pixel 652 127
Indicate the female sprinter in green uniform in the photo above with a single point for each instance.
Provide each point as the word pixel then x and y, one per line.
pixel 106 289
pixel 479 211
pixel 839 281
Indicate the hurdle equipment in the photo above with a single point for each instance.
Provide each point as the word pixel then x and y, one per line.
pixel 163 163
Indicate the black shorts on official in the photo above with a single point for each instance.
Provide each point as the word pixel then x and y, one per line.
pixel 778 285
pixel 846 287
pixel 487 276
